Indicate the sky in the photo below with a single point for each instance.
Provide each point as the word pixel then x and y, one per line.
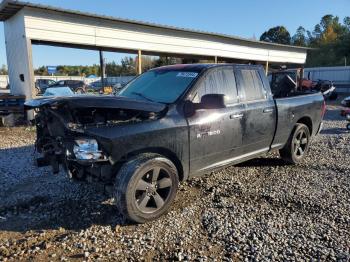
pixel 243 18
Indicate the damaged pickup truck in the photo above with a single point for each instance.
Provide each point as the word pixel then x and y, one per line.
pixel 170 124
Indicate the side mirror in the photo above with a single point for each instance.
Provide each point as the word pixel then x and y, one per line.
pixel 189 108
pixel 210 101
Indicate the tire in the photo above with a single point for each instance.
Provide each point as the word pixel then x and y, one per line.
pixel 145 187
pixel 297 145
pixel 348 126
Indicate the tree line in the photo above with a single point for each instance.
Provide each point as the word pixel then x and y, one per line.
pixel 127 66
pixel 329 40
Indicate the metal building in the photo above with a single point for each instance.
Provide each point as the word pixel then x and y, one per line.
pixel 27 24
pixel 340 75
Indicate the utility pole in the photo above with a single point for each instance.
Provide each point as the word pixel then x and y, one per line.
pixel 102 69
pixel 139 62
pixel 267 67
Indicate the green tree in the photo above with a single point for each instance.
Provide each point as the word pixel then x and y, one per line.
pixel 299 39
pixel 128 66
pixel 278 34
pixel 346 22
pixel 166 60
pixel 3 70
pixel 331 41
pixel 41 71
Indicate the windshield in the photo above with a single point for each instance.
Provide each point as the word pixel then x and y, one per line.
pixel 162 86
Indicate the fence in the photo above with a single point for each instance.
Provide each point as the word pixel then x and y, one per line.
pixel 340 75
pixel 4 80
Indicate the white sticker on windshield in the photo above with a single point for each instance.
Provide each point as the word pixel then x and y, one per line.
pixel 187 74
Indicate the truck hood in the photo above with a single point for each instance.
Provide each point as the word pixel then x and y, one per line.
pixel 91 101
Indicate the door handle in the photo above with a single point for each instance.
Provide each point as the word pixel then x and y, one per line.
pixel 235 116
pixel 267 110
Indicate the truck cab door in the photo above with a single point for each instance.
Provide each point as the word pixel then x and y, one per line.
pixel 215 134
pixel 259 123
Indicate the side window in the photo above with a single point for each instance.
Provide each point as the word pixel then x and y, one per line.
pixel 61 83
pixel 218 81
pixel 252 85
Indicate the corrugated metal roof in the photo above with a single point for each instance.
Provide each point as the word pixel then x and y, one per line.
pixel 9 8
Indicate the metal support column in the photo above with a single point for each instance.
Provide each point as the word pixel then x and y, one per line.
pixel 215 59
pixel 102 69
pixel 139 62
pixel 267 67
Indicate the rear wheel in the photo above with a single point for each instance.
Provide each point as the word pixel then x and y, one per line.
pixel 297 145
pixel 145 187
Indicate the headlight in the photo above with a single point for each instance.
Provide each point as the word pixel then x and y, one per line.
pixel 86 149
pixel 348 117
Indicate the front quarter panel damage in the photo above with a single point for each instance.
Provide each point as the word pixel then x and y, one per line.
pixel 120 131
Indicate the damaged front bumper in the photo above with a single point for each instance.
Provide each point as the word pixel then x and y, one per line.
pixel 63 126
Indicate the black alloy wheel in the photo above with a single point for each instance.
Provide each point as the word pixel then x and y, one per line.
pixel 153 189
pixel 297 145
pixel 300 143
pixel 145 187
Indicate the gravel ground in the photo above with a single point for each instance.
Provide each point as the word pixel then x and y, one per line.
pixel 260 210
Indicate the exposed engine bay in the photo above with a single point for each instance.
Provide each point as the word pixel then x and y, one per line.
pixel 63 138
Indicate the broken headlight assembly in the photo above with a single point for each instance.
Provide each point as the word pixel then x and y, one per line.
pixel 348 117
pixel 87 149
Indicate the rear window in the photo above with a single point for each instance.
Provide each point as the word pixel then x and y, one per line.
pixel 252 84
pixel 218 81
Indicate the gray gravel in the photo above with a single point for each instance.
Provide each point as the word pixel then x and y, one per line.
pixel 261 210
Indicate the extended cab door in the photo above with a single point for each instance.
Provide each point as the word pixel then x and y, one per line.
pixel 259 120
pixel 215 134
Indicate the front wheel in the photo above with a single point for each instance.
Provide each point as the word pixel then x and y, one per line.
pixel 145 187
pixel 297 145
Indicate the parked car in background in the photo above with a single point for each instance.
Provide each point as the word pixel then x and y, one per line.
pixel 117 88
pixel 170 124
pixel 97 86
pixel 77 86
pixel 42 84
pixel 58 91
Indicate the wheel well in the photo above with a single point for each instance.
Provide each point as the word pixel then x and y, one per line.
pixel 306 121
pixel 161 151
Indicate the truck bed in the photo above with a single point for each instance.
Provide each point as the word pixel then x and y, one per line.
pixel 305 107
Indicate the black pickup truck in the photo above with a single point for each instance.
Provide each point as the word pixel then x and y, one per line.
pixel 170 124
